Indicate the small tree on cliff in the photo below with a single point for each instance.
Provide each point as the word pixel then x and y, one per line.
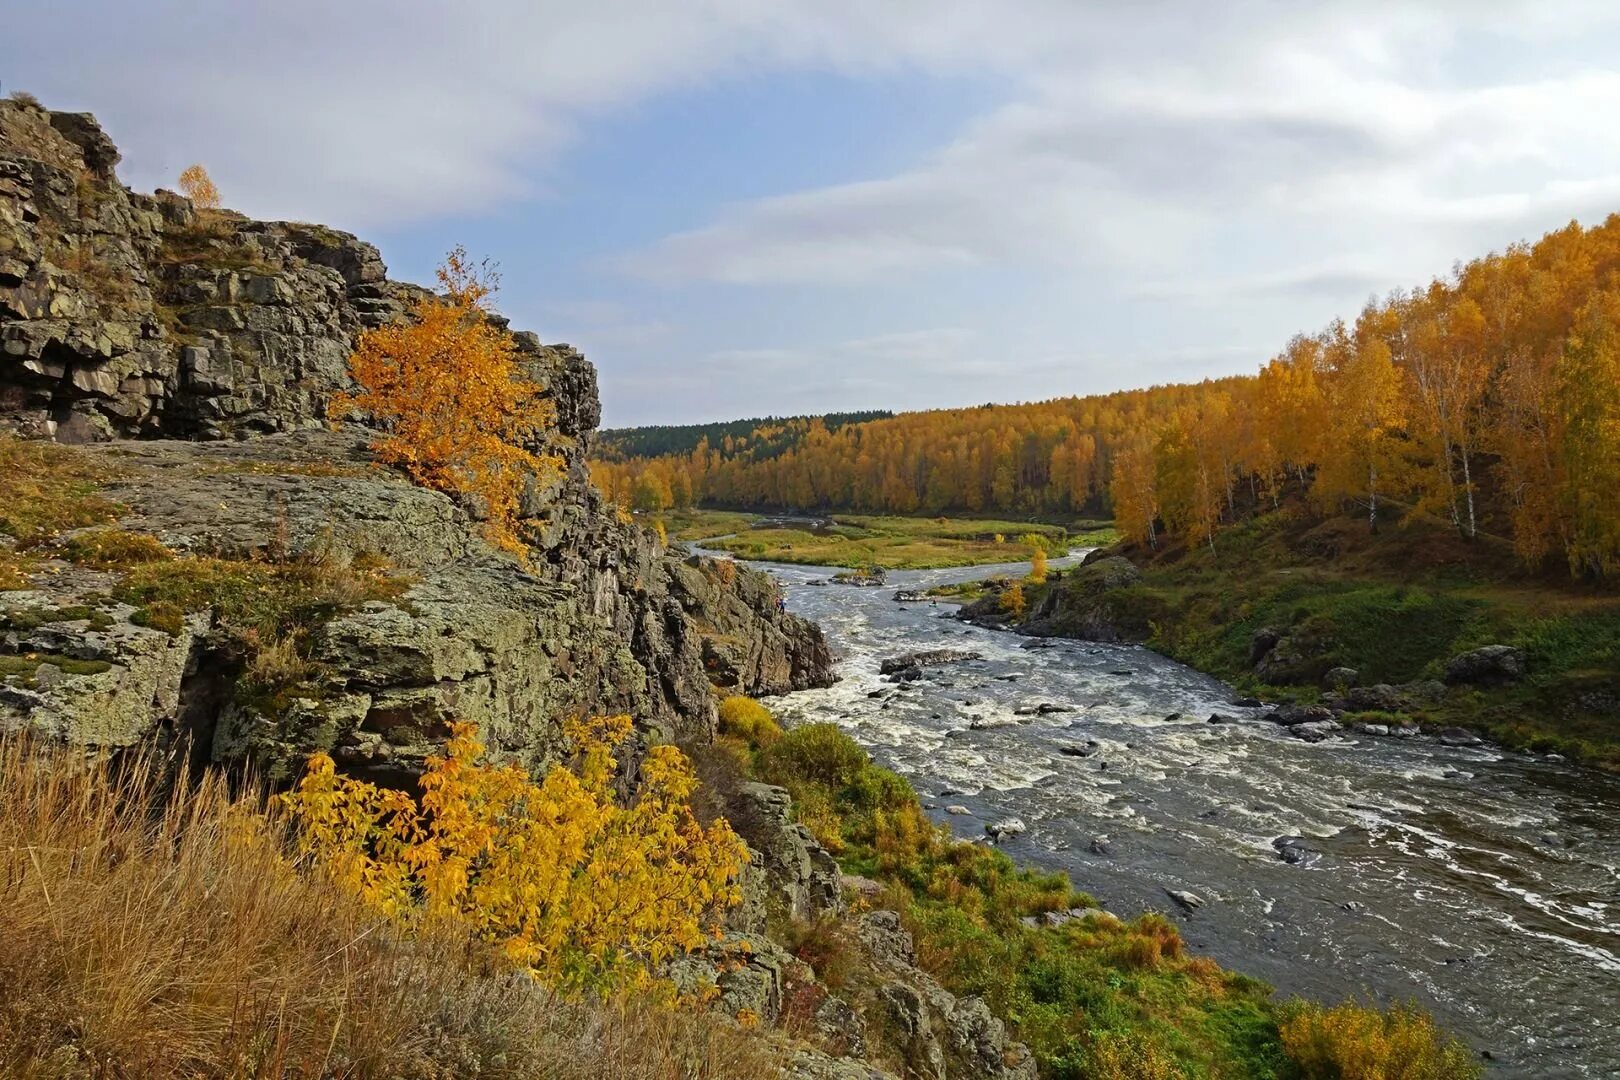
pixel 457 413
pixel 196 185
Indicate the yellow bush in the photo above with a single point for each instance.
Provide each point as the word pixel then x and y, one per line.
pixel 1012 600
pixel 107 862
pixel 1354 1042
pixel 457 411
pixel 580 890
pixel 748 720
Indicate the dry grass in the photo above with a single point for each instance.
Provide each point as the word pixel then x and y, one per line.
pixel 156 930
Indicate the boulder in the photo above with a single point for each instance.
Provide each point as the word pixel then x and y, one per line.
pixel 1294 715
pixel 1379 697
pixel 925 658
pixel 1340 678
pixel 1490 665
pixel 1005 827
pixel 1314 731
pixel 1191 901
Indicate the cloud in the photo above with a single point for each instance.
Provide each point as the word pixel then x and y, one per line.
pixel 1143 151
pixel 1152 186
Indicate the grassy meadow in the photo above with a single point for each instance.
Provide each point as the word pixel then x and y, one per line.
pixel 889 542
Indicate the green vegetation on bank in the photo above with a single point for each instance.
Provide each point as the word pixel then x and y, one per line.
pixel 892 543
pixel 1394 606
pixel 1094 996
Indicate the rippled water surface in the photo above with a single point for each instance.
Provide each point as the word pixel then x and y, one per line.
pixel 1482 883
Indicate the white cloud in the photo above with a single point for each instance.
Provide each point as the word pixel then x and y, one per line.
pixel 1161 178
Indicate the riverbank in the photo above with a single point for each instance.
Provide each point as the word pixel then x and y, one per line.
pixel 1410 625
pixel 1387 869
pixel 886 542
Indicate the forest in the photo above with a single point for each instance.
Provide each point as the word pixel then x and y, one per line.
pixel 1489 400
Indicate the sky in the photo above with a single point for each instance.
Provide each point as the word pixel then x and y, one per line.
pixel 752 207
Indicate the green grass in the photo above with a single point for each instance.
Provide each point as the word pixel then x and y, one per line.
pixel 1099 997
pixel 1395 607
pixel 893 543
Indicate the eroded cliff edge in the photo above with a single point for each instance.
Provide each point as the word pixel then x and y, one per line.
pixel 193 354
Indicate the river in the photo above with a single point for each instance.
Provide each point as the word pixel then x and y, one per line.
pixel 1481 883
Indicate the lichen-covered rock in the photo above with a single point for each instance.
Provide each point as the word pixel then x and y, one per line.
pixel 605 621
pixel 129 315
pixel 107 682
pixel 800 874
pixel 944 1037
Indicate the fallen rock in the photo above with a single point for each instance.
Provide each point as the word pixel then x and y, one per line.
pixel 1460 736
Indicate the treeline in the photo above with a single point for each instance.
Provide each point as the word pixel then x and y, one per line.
pixel 757 439
pixel 1490 399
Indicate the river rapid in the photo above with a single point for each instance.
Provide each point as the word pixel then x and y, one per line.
pixel 1482 883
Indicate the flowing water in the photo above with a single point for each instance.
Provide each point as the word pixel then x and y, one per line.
pixel 1482 883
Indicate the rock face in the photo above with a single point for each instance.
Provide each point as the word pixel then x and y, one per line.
pixel 1080 606
pixel 138 318
pixel 945 1037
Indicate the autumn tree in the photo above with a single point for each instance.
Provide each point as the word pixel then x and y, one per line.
pixel 196 185
pixel 1589 399
pixel 1037 564
pixel 456 411
pixel 1366 414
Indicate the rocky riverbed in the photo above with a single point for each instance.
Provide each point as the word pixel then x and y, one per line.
pixel 1482 883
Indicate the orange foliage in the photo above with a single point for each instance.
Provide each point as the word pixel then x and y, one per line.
pixel 196 185
pixel 1351 1042
pixel 456 410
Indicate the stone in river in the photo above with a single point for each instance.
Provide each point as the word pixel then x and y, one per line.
pixel 1189 900
pixel 1006 827
pixel 1100 845
pixel 957 809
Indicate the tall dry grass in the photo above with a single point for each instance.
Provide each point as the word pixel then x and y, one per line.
pixel 157 930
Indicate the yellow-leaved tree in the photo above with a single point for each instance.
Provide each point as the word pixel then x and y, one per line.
pixel 198 186
pixel 582 891
pixel 457 413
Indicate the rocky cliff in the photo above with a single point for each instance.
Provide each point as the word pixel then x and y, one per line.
pixel 192 353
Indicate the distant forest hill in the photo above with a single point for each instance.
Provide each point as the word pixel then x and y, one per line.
pixel 759 438
pixel 1489 400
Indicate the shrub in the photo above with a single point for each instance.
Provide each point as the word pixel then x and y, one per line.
pixel 1355 1042
pixel 457 412
pixel 815 754
pixel 1012 600
pixel 570 884
pixel 108 549
pixel 162 931
pixel 747 719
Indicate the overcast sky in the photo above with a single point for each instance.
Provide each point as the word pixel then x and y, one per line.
pixel 740 207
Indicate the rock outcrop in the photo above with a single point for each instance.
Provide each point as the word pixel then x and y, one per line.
pixel 1081 604
pixel 209 345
